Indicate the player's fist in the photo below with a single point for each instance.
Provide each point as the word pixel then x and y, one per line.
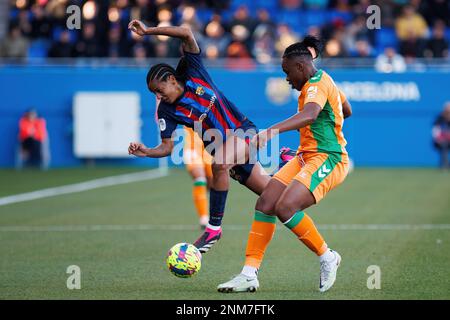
pixel 260 140
pixel 137 149
pixel 138 27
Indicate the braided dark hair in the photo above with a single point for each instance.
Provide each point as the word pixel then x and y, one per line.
pixel 301 48
pixel 162 71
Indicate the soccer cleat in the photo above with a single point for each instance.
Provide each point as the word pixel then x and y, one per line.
pixel 328 270
pixel 240 283
pixel 208 239
pixel 287 154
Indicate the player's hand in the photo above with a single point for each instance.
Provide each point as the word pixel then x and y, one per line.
pixel 138 27
pixel 137 149
pixel 260 140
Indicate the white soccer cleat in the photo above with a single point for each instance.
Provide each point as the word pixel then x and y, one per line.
pixel 240 283
pixel 328 270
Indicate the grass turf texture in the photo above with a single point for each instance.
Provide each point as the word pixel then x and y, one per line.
pixel 126 264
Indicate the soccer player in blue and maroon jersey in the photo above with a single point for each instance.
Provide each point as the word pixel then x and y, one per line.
pixel 190 97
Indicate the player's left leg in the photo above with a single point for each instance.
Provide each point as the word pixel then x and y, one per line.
pixel 320 174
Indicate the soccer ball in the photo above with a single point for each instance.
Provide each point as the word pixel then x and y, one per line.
pixel 184 260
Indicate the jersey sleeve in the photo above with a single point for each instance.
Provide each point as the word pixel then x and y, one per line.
pixel 194 61
pixel 166 123
pixel 317 92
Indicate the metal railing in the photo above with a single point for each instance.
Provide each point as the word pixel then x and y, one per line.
pixel 417 65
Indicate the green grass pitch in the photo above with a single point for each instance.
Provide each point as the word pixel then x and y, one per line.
pixel 130 264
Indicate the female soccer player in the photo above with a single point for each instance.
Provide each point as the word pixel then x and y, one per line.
pixel 320 165
pixel 190 97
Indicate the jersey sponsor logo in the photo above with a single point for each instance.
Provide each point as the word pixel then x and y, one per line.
pixel 199 91
pixel 203 116
pixel 162 124
pixel 211 104
pixel 311 92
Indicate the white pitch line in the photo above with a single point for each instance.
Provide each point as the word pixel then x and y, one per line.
pixel 149 227
pixel 84 186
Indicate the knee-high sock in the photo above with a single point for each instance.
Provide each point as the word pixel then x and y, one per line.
pixel 303 227
pixel 263 229
pixel 217 200
pixel 199 196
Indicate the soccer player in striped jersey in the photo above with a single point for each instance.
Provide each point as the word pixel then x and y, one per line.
pixel 321 164
pixel 190 97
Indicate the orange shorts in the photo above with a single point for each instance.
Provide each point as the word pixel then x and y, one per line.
pixel 193 159
pixel 319 172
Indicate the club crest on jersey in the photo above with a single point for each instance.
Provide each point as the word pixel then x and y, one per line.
pixel 200 91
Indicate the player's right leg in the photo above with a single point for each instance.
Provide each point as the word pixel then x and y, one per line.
pixel 234 150
pixel 262 231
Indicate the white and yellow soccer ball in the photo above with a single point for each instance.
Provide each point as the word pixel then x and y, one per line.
pixel 184 260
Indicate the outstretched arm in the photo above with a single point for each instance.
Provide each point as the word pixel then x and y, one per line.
pixel 299 120
pixel 140 150
pixel 185 34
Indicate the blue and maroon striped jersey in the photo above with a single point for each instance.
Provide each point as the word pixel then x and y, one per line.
pixel 201 100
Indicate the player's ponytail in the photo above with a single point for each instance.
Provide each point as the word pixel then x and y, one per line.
pixel 310 47
pixel 313 44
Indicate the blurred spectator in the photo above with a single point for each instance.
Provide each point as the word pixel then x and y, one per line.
pixel 104 31
pixel 357 31
pixel 144 10
pixel 238 57
pixel 189 18
pixel 388 12
pixel 139 53
pixel 24 23
pixel 118 46
pixel 362 49
pixel 441 135
pixel 33 141
pixel 285 37
pixel 87 46
pixel 341 5
pixel 242 18
pixel 40 24
pixel 329 29
pixel 63 47
pixel 437 45
pixel 412 47
pixel 14 45
pixel 161 49
pixel 216 36
pixel 334 47
pixel 314 31
pixel 390 61
pixel 410 22
pixel 263 44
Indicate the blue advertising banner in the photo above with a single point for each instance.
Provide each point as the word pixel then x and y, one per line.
pixel 390 126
